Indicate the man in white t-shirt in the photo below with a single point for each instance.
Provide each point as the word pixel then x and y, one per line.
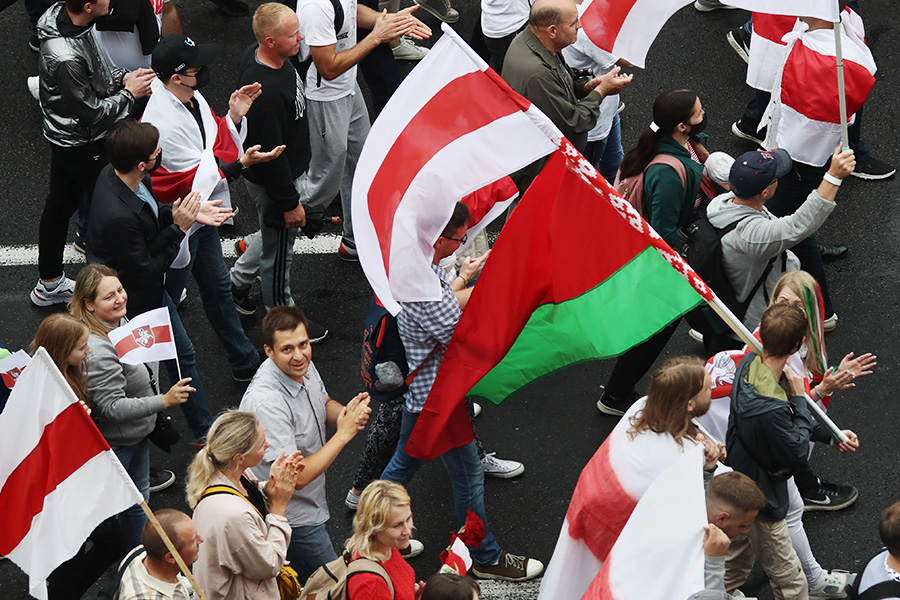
pixel 338 118
pixel 124 49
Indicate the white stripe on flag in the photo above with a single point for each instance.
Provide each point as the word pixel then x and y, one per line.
pixel 644 22
pixel 569 579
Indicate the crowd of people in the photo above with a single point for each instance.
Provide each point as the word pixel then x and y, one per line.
pixel 146 163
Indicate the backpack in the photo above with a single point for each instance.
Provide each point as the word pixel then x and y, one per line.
pixel 879 591
pixel 703 251
pixel 632 188
pixel 329 582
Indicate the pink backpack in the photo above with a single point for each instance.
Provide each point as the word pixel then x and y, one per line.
pixel 632 188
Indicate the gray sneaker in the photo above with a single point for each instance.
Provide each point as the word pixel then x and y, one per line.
pixel 59 294
pixel 510 567
pixel 710 5
pixel 440 9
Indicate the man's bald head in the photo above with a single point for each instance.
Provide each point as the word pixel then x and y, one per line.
pixel 545 13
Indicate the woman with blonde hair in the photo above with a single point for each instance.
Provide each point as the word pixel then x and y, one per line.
pixel 382 527
pixel 242 523
pixel 124 397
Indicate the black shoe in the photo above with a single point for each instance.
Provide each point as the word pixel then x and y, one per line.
pixel 242 302
pixel 160 479
pixel 748 132
pixel 315 332
pixel 829 496
pixel 245 375
pixel 873 169
pixel 831 252
pixel 739 40
pixel 34 43
pixel 610 405
pixel 232 8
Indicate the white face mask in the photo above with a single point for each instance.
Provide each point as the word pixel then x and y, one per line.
pixel 448 262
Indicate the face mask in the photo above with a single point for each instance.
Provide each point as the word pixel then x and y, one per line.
pixel 697 128
pixel 156 163
pixel 202 76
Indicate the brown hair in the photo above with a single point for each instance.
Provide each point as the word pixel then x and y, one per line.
pixel 781 329
pixel 267 19
pixel 733 492
pixel 86 285
pixel 459 218
pixel 450 586
pixel 889 529
pixel 59 334
pixel 169 519
pixel 282 318
pixel 677 381
pixel 130 143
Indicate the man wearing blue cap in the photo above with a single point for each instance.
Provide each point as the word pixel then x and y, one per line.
pixel 757 250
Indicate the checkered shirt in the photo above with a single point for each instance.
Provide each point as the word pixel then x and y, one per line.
pixel 424 326
pixel 138 584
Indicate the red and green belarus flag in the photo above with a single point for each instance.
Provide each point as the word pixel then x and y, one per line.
pixel 575 275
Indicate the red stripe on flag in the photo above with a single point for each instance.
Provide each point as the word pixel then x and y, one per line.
pixel 67 443
pixel 481 201
pixel 809 85
pixel 773 27
pixel 161 335
pixel 435 126
pixel 600 506
pixel 603 20
pixel 169 186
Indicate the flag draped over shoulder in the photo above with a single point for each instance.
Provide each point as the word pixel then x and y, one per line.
pixel 576 274
pixel 767 49
pixel 627 28
pixel 608 490
pixel 59 478
pixel 451 128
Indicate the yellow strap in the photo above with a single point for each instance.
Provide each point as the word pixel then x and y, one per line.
pixel 225 489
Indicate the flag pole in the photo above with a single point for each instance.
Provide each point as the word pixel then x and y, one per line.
pixel 180 561
pixel 738 327
pixel 842 96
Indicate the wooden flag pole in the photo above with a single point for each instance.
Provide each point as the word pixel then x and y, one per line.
pixel 178 560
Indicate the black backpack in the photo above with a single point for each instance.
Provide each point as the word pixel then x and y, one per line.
pixel 879 591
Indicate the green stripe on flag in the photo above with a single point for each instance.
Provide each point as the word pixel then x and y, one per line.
pixel 637 301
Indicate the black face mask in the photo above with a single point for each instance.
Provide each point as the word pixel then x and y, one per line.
pixel 697 128
pixel 202 76
pixel 156 164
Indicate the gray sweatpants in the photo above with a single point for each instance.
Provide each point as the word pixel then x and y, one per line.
pixel 337 131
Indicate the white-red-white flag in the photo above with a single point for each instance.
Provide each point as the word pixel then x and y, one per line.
pixel 767 49
pixel 607 492
pixel 145 338
pixel 12 366
pixel 821 9
pixel 59 478
pixel 663 537
pixel 627 28
pixel 452 128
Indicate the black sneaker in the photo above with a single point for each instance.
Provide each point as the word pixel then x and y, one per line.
pixel 78 245
pixel 610 405
pixel 160 479
pixel 232 8
pixel 873 169
pixel 829 496
pixel 748 132
pixel 34 43
pixel 242 302
pixel 739 40
pixel 315 332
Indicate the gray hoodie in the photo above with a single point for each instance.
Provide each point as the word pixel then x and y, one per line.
pixel 758 238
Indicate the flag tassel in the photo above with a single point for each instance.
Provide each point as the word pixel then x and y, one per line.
pixel 180 561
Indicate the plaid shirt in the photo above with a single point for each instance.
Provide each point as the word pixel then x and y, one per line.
pixel 138 584
pixel 423 327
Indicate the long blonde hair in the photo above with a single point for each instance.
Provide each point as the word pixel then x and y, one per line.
pixel 806 288
pixel 373 514
pixel 233 432
pixel 59 334
pixel 86 285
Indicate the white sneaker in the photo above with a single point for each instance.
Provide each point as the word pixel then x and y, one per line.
pixel 60 294
pixel 34 87
pixel 408 50
pixel 695 335
pixel 834 585
pixel 352 500
pixel 476 409
pixel 831 322
pixel 502 469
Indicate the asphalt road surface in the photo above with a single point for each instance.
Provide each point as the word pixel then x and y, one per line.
pixel 553 425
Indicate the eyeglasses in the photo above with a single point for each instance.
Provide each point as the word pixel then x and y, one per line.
pixel 461 241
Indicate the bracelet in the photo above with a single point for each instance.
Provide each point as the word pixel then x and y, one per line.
pixel 819 393
pixel 832 179
pixel 465 281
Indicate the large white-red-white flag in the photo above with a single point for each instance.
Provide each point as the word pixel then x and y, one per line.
pixel 767 49
pixel 452 128
pixel 608 490
pixel 12 366
pixel 627 28
pixel 145 338
pixel 821 9
pixel 59 478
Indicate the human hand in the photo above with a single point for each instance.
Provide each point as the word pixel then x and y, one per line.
pixel 392 25
pixel 282 480
pixel 354 416
pixel 295 218
pixel 843 163
pixel 84 405
pixel 178 393
pixel 715 542
pixel 211 213
pixel 835 380
pixel 713 451
pixel 241 100
pixel 859 366
pixel 472 266
pixel 851 445
pixel 420 588
pixel 253 155
pixel 420 30
pixel 184 211
pixel 609 84
pixel 796 383
pixel 138 82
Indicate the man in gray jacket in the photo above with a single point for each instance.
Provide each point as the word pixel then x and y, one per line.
pixel 82 97
pixel 761 238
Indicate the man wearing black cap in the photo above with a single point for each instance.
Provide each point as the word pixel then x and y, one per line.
pixel 761 240
pixel 202 152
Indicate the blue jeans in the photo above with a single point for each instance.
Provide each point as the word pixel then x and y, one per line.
pixel 466 476
pixel 208 268
pixel 196 410
pixel 136 460
pixel 606 155
pixel 310 548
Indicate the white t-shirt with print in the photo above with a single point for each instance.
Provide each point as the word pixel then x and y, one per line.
pixel 317 26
